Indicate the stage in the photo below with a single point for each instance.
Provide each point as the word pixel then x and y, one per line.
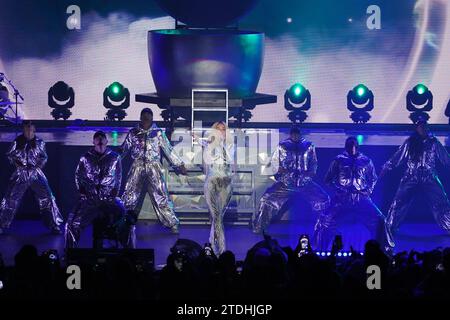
pixel 66 144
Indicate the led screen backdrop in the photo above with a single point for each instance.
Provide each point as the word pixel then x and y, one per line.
pixel 329 46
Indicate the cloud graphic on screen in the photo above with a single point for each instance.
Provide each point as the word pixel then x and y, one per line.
pixel 109 49
pixel 113 47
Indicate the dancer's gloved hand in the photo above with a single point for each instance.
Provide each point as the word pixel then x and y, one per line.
pixel 182 170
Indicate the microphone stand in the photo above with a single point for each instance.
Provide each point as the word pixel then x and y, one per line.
pixel 16 96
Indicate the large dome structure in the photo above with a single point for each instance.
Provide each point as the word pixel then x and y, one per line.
pixel 207 13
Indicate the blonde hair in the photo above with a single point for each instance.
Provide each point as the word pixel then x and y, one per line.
pixel 215 136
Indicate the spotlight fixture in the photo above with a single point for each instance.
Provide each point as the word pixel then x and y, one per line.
pixel 360 101
pixel 419 101
pixel 116 98
pixel 297 99
pixel 61 98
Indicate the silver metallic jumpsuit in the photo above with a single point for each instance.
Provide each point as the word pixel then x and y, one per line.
pixel 98 178
pixel 353 178
pixel 146 172
pixel 29 158
pixel 295 164
pixel 420 173
pixel 217 159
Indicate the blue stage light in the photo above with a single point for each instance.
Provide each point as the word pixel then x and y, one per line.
pixel 360 100
pixel 419 101
pixel 116 98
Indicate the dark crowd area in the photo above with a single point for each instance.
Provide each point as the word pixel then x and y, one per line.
pixel 268 273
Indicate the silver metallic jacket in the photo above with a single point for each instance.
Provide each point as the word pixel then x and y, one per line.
pixel 426 166
pixel 29 158
pixel 294 165
pixel 299 161
pixel 145 145
pixel 353 177
pixel 99 176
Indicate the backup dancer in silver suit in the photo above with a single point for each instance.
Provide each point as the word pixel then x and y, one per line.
pixel 28 155
pixel 421 152
pixel 98 178
pixel 145 142
pixel 295 164
pixel 218 161
pixel 352 175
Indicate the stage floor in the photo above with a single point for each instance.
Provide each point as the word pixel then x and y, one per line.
pixel 239 239
pixel 65 145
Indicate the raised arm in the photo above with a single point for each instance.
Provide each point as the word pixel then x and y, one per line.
pixel 398 157
pixel 126 146
pixel 332 174
pixel 442 153
pixel 204 142
pixel 168 150
pixel 13 154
